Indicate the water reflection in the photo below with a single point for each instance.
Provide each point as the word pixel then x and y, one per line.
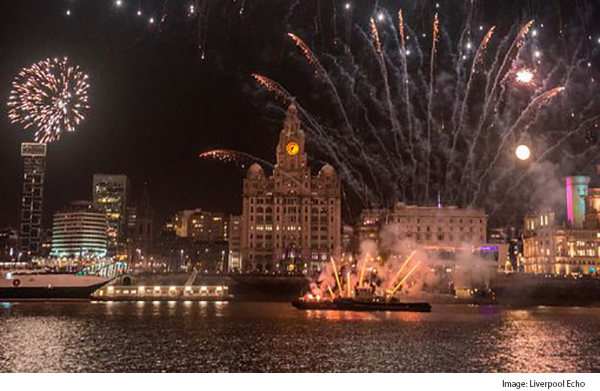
pixel 221 336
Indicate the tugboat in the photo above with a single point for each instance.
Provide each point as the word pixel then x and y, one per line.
pixel 43 285
pixel 365 300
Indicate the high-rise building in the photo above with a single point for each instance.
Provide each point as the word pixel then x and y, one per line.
pixel 79 231
pixel 292 219
pixel 34 170
pixel 110 196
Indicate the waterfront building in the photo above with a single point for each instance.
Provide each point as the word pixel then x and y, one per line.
pixel 454 239
pixel 111 194
pixel 235 244
pixel 291 220
pixel 436 227
pixel 443 227
pixel 79 231
pixel 552 247
pixel 32 196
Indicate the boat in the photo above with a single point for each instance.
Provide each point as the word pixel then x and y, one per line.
pixel 43 285
pixel 364 300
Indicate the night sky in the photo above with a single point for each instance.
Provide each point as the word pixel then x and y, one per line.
pixel 156 104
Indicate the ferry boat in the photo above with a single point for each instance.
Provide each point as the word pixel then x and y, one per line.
pixel 364 300
pixel 43 285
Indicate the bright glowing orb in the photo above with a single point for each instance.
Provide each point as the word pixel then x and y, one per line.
pixel 525 76
pixel 523 152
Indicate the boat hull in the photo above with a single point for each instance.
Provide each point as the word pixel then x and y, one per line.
pixel 42 287
pixel 352 305
pixel 44 293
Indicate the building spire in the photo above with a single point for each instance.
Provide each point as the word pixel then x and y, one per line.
pixel 292 122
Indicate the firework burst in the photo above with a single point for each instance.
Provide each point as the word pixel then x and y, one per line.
pixel 414 127
pixel 50 96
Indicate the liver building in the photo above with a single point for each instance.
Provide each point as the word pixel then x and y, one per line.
pixel 291 221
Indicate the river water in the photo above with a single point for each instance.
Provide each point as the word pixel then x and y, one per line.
pixel 275 337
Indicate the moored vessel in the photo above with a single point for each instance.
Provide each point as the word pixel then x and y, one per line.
pixel 43 285
pixel 365 300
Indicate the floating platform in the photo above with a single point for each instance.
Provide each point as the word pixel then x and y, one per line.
pixel 162 293
pixel 359 305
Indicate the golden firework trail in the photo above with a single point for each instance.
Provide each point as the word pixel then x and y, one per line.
pixel 402 267
pixel 483 45
pixel 310 56
pixel 349 284
pixel 337 278
pixel 375 35
pixel 436 32
pixel 272 86
pixel 330 291
pixel 406 277
pixel 362 272
pixel 401 31
pixel 523 32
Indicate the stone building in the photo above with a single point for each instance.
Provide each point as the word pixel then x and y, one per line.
pixel 291 220
pixel 550 247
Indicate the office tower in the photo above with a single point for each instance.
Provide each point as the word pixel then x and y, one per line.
pixel 110 193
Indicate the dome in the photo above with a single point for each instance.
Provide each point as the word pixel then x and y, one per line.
pixel 256 171
pixel 327 170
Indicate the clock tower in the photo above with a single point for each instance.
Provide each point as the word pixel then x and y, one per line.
pixel 291 221
pixel 291 155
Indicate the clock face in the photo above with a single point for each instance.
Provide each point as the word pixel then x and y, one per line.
pixel 292 148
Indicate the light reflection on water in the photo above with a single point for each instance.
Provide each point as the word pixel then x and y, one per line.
pixel 274 337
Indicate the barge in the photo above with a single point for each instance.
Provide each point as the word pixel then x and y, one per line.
pixel 364 301
pixel 162 293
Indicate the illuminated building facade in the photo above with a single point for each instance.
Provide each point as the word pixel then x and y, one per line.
pixel 79 231
pixel 443 227
pixel 32 196
pixel 110 194
pixel 292 219
pixel 551 248
pixel 200 225
pixel 573 248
